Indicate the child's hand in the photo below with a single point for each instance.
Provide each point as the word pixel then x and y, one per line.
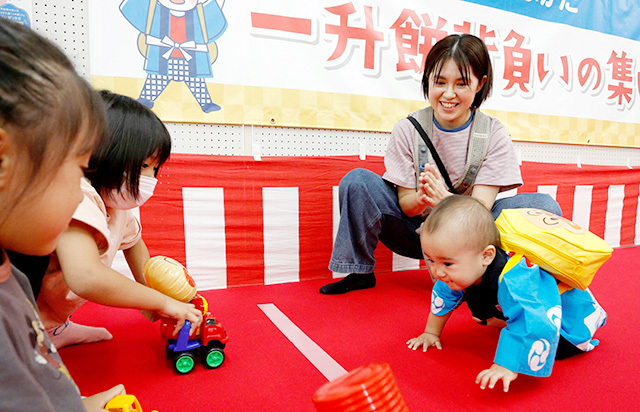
pixel 180 312
pixel 493 375
pixel 98 401
pixel 425 340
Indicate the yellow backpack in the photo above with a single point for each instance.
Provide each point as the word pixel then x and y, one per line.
pixel 559 246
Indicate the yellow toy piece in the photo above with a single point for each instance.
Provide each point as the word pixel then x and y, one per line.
pixel 124 403
pixel 570 253
pixel 168 276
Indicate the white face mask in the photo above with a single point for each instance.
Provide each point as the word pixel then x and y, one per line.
pixel 124 200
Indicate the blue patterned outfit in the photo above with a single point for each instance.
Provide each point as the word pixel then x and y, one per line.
pixel 538 317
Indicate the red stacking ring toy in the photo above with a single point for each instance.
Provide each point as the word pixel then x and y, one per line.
pixel 367 388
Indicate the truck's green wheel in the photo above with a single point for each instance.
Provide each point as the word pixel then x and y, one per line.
pixel 184 363
pixel 213 358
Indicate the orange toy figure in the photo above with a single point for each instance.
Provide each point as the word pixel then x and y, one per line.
pixel 168 276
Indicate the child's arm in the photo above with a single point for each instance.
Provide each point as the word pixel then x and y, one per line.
pixel 136 257
pixel 90 279
pixel 98 401
pixel 443 302
pixel 431 334
pixel 530 300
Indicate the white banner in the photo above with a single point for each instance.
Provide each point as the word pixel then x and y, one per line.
pixel 291 63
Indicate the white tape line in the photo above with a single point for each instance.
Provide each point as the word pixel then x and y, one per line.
pixel 316 355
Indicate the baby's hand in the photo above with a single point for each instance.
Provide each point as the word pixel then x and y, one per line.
pixel 180 312
pixel 425 340
pixel 493 375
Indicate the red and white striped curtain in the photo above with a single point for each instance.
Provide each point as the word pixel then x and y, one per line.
pixel 237 221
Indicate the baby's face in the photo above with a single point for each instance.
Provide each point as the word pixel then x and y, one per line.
pixel 452 263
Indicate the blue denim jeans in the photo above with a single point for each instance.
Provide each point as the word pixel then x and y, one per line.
pixel 370 213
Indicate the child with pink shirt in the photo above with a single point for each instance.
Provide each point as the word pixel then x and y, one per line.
pixel 121 176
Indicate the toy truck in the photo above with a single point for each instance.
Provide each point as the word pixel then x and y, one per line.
pixel 208 341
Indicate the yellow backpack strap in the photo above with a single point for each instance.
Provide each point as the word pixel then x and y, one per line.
pixel 513 260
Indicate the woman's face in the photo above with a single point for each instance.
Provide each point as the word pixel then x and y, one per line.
pixel 451 97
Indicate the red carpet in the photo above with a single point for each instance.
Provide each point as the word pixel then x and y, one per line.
pixel 265 372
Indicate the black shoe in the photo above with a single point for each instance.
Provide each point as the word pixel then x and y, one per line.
pixel 354 281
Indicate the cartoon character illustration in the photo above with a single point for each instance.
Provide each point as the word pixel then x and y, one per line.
pixel 177 40
pixel 42 352
pixel 548 221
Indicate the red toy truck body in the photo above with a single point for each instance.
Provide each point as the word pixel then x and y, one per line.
pixel 207 342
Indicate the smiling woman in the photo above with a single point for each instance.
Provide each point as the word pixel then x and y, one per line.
pixel 390 209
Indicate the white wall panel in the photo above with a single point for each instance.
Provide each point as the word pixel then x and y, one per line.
pixel 613 220
pixel 204 236
pixel 281 235
pixel 582 205
pixel 551 190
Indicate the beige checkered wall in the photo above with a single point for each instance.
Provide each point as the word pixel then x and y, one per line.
pixel 300 108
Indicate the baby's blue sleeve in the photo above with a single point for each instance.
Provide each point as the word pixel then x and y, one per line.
pixel 443 299
pixel 529 298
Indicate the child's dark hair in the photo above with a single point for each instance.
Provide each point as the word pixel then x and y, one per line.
pixel 465 219
pixel 45 106
pixel 134 133
pixel 469 53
